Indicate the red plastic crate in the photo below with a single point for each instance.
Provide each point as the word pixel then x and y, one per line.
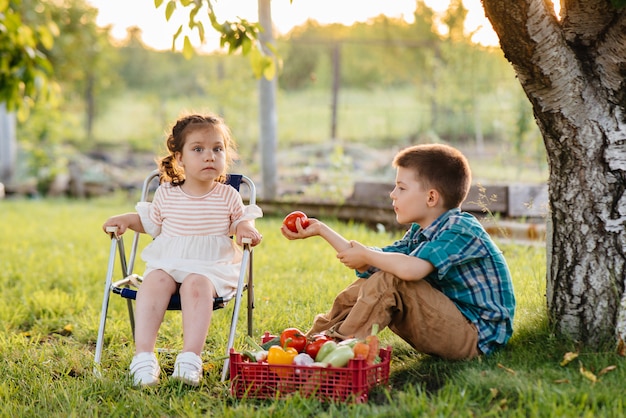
pixel 340 384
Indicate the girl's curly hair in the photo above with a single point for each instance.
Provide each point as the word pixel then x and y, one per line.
pixel 168 165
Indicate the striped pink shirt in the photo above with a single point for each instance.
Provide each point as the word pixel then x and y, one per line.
pixel 179 214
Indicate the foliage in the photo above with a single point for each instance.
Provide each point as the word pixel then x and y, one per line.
pixel 400 83
pixel 83 62
pixel 301 56
pixel 82 59
pixel 240 36
pixel 24 68
pixel 52 272
pixel 458 85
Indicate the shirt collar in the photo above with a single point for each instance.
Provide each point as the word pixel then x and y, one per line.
pixel 428 232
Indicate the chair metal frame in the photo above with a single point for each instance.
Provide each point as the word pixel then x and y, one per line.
pixel 127 286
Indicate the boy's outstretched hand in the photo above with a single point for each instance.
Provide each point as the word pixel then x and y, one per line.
pixel 311 230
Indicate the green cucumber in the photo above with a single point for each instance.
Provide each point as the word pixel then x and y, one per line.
pixel 340 356
pixel 325 350
pixel 274 341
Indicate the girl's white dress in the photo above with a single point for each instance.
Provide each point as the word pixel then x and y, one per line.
pixel 193 234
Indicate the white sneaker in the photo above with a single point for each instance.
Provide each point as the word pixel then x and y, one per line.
pixel 145 369
pixel 188 368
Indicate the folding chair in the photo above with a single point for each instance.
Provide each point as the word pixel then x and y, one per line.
pixel 126 287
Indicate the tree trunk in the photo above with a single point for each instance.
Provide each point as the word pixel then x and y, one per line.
pixel 572 71
pixel 8 145
pixel 268 119
pixel 90 102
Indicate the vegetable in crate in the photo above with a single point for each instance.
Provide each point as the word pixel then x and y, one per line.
pixel 259 354
pixel 293 337
pixel 340 356
pixel 361 350
pixel 372 341
pixel 327 348
pixel 303 359
pixel 350 342
pixel 272 341
pixel 313 347
pixel 279 356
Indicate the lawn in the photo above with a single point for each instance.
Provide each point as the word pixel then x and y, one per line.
pixel 53 259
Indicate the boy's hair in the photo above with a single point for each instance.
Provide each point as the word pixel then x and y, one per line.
pixel 168 166
pixel 440 167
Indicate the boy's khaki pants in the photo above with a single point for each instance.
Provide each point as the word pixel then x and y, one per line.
pixel 418 313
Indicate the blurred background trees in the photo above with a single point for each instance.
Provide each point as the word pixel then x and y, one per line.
pixel 387 83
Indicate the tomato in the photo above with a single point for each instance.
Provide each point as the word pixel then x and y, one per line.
pixel 296 339
pixel 290 220
pixel 313 347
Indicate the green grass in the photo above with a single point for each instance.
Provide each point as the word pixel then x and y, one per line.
pixel 53 259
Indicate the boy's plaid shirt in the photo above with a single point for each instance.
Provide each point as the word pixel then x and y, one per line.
pixel 469 269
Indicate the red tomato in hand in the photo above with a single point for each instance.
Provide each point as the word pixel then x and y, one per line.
pixel 313 347
pixel 290 220
pixel 293 337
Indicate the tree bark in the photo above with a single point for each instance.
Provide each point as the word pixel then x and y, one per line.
pixel 8 144
pixel 573 70
pixel 268 119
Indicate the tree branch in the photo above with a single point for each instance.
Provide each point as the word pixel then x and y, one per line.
pixel 611 59
pixel 583 21
pixel 531 38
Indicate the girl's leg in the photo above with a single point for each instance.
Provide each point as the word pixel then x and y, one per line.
pixel 153 297
pixel 196 297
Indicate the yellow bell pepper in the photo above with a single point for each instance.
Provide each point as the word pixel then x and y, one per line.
pixel 278 356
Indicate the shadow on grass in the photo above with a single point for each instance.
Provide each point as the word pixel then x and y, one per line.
pixel 529 348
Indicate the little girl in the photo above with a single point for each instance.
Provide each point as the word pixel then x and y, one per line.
pixel 191 218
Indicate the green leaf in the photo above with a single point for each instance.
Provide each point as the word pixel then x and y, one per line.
pixel 256 62
pixel 187 48
pixel 262 65
pixel 169 10
pixel 246 45
pixel 193 13
pixel 45 37
pixel 618 4
pixel 272 48
pixel 175 37
pixel 270 69
pixel 201 31
pixel 216 25
pixel 157 3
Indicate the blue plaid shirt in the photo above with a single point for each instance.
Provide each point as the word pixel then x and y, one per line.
pixel 469 269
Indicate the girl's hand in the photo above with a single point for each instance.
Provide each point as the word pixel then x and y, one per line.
pixel 117 222
pixel 246 230
pixel 123 222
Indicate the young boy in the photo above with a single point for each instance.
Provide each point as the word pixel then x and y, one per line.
pixel 445 287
